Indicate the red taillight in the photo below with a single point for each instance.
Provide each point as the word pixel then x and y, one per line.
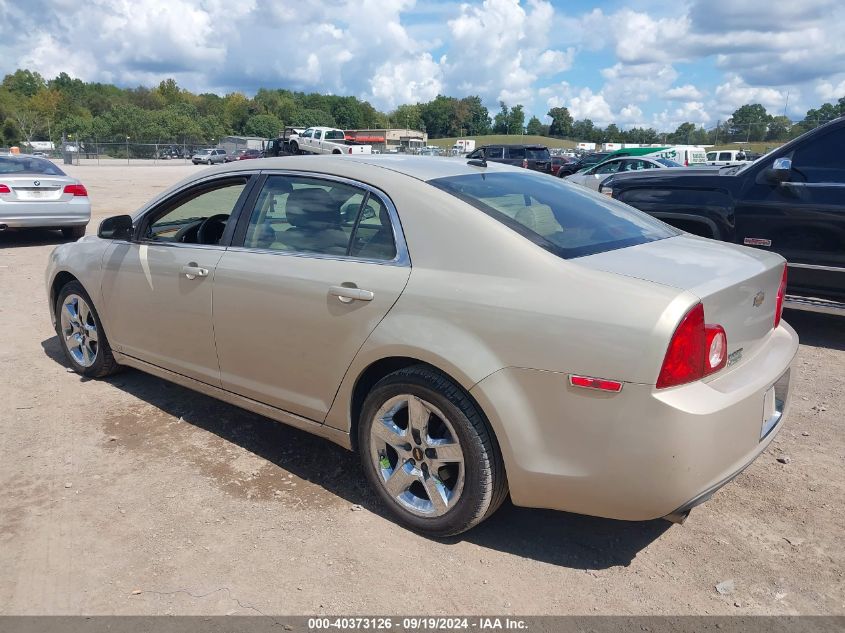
pixel 76 190
pixel 525 163
pixel 696 350
pixel 601 384
pixel 5 189
pixel 780 297
pixel 686 163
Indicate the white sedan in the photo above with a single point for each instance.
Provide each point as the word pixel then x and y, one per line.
pixel 594 176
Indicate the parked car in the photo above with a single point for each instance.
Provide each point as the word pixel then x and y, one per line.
pixel 326 140
pixel 535 157
pixel 593 176
pixel 789 201
pixel 564 163
pixel 470 329
pixel 35 193
pixel 209 156
pixel 250 154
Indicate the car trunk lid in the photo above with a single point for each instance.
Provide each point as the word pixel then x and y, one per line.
pixel 33 188
pixel 737 286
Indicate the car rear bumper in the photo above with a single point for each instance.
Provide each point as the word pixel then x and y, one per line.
pixel 641 453
pixel 75 212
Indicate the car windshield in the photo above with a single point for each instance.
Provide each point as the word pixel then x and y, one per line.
pixel 668 163
pixel 567 220
pixel 334 135
pixel 537 153
pixel 28 165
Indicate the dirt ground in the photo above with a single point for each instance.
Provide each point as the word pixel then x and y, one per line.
pixel 135 496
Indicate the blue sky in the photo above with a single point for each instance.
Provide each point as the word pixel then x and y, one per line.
pixel 641 63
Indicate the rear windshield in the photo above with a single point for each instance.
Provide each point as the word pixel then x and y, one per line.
pixel 28 165
pixel 537 153
pixel 567 220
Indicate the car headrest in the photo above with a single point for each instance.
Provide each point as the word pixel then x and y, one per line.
pixel 307 207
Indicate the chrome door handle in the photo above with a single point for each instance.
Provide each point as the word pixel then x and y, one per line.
pixel 348 295
pixel 192 271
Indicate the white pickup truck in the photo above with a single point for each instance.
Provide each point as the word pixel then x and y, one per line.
pixel 726 157
pixel 326 140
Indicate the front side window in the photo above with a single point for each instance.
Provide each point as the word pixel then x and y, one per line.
pixel 198 218
pixel 566 220
pixel 301 214
pixel 494 152
pixel 307 133
pixel 711 155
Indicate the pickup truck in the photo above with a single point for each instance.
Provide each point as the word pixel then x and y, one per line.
pixel 326 140
pixel 790 201
pixel 723 157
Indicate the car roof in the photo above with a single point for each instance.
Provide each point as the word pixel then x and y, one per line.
pixel 420 167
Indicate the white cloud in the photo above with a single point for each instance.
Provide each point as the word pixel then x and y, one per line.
pixel 687 92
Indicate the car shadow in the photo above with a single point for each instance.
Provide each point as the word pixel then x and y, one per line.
pixel 557 538
pixel 817 330
pixel 17 238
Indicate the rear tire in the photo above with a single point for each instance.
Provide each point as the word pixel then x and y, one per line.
pixel 428 453
pixel 73 232
pixel 81 333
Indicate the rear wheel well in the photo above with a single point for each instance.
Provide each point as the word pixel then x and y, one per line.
pixel 336 151
pixel 378 370
pixel 695 227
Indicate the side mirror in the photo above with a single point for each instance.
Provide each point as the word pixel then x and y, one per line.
pixel 117 227
pixel 779 171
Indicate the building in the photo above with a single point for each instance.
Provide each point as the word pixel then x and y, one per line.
pixel 390 140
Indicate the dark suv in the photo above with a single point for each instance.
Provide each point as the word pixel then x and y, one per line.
pixel 534 157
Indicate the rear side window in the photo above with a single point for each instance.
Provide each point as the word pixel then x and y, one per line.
pixel 516 152
pixel 567 220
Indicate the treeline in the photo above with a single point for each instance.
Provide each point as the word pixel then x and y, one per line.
pixel 35 109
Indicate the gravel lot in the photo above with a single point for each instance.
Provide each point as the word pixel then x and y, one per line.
pixel 135 496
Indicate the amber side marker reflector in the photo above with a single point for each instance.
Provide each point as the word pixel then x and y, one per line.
pixel 602 384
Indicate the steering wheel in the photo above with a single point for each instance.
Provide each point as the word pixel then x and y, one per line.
pixel 211 229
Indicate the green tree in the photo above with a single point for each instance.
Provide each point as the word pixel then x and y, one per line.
pixel 516 120
pixel 749 122
pixel 534 126
pixel 561 122
pixel 436 115
pixel 24 83
pixel 169 91
pixel 501 121
pixel 409 116
pixel 583 130
pixel 263 125
pixel 612 133
pixel 778 128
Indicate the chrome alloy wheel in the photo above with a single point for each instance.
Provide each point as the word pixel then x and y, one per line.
pixel 79 330
pixel 417 455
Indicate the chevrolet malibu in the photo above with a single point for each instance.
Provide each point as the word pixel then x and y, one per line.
pixel 472 330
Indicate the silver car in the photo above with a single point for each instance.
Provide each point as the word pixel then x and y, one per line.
pixel 594 176
pixel 209 156
pixel 472 330
pixel 35 193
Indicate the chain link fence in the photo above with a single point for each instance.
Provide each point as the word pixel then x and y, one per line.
pixel 128 151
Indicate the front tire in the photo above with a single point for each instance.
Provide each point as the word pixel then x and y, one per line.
pixel 81 333
pixel 428 453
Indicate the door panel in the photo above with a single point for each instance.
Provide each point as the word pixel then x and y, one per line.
pixel 158 290
pixel 318 266
pixel 283 337
pixel 156 313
